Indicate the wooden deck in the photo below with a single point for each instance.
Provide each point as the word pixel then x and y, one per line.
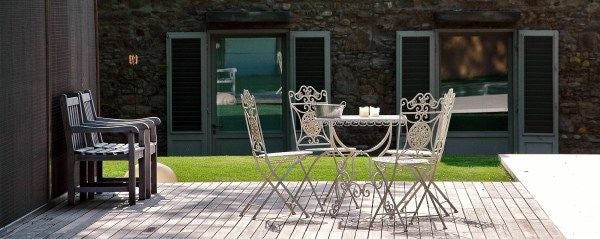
pixel 211 210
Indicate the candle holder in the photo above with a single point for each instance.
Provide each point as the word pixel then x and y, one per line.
pixel 363 111
pixel 374 111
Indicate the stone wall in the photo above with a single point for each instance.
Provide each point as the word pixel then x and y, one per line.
pixel 363 50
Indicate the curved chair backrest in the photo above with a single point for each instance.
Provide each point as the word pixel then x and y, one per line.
pixel 309 133
pixel 89 113
pixel 447 103
pixel 427 124
pixel 231 72
pixel 257 142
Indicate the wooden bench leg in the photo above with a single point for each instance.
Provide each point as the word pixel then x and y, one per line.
pixel 83 179
pixel 91 176
pixel 71 180
pixel 131 179
pixel 143 179
pixel 153 173
pixel 148 178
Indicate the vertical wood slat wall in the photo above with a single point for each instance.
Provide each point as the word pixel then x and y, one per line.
pixel 43 44
pixel 72 67
pixel 23 107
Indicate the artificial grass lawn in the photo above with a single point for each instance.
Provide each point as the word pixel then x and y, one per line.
pixel 242 168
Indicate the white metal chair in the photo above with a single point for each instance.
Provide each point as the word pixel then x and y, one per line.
pixel 230 79
pixel 268 164
pixel 426 130
pixel 311 135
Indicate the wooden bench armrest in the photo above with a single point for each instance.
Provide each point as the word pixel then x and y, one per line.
pixel 138 124
pixel 87 128
pixel 154 120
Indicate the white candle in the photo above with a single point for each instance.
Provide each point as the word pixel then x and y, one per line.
pixel 363 111
pixel 373 111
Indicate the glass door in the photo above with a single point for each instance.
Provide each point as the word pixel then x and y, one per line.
pixel 255 64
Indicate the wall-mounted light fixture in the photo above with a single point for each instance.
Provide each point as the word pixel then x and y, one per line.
pixel 133 59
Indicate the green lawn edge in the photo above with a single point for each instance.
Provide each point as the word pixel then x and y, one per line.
pixel 243 169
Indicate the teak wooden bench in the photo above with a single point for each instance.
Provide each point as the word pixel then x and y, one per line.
pixel 81 149
pixel 91 116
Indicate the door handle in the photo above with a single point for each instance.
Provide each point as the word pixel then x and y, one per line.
pixel 215 127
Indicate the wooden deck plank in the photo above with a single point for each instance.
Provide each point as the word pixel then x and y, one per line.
pixel 89 207
pixel 459 217
pixel 319 218
pixel 135 219
pixel 552 229
pixel 154 211
pixel 122 218
pixel 234 219
pixel 243 221
pixel 184 203
pixel 254 225
pixel 468 211
pixel 485 223
pixel 301 226
pixel 211 210
pixel 495 218
pixel 206 190
pixel 126 216
pixel 277 217
pixel 160 217
pixel 51 221
pixel 452 230
pixel 511 223
pixel 516 212
pixel 221 203
pixel 227 214
pixel 522 190
pixel 289 223
pixel 437 229
pixel 335 228
pixel 204 208
pixel 352 221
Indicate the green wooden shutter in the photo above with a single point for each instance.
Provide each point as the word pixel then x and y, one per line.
pixel 415 61
pixel 186 93
pixel 538 92
pixel 310 59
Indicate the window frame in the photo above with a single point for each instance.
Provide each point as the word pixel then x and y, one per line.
pixel 511 75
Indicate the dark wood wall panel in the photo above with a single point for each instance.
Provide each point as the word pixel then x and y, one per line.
pixel 72 67
pixel 23 109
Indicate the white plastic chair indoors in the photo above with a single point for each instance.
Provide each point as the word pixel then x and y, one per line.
pixel 229 79
pixel 426 130
pixel 310 134
pixel 269 164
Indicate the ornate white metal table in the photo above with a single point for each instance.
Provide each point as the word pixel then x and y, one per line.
pixel 345 180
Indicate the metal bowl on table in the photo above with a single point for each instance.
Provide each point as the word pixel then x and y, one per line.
pixel 323 110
